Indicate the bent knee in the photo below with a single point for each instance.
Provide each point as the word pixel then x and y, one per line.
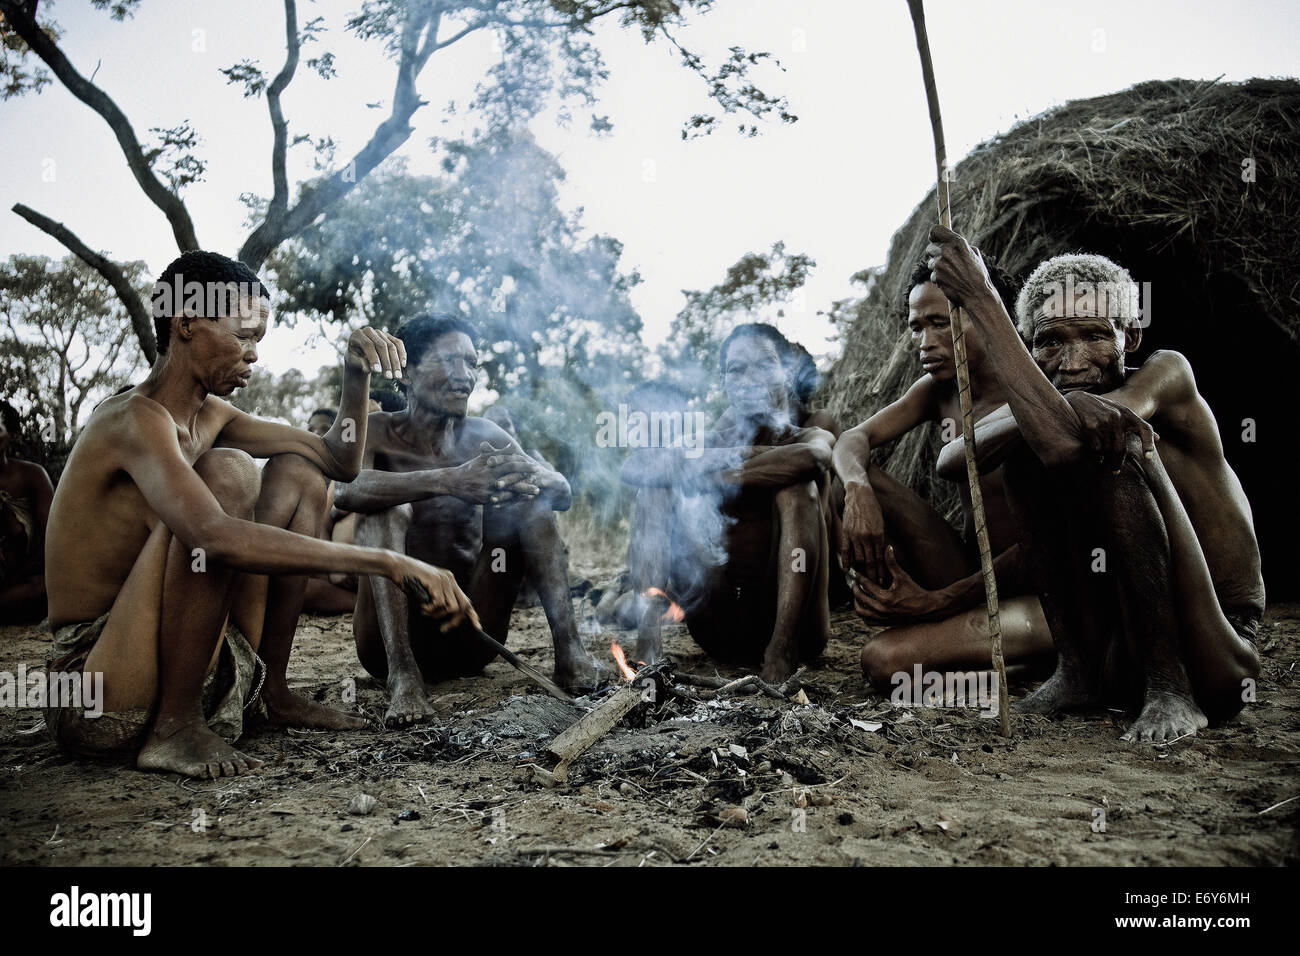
pixel 803 497
pixel 384 529
pixel 232 477
pixel 881 659
pixel 295 470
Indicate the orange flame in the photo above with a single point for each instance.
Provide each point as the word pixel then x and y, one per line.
pixel 674 614
pixel 621 661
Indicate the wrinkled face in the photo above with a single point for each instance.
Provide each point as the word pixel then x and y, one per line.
pixel 319 423
pixel 930 324
pixel 445 376
pixel 225 349
pixel 1080 349
pixel 754 377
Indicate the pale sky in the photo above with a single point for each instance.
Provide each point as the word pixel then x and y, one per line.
pixel 835 185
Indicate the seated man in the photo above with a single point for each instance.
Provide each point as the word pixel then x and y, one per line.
pixel 25 494
pixel 749 555
pixel 1147 562
pixel 162 529
pixel 457 490
pixel 914 572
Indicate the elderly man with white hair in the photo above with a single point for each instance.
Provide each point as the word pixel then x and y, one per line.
pixel 1139 532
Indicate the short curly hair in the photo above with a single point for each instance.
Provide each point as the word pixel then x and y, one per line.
pixel 419 333
pixel 213 271
pixel 1115 292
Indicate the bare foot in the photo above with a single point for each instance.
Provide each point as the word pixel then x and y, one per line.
pixel 576 671
pixel 192 749
pixel 408 704
pixel 779 663
pixel 1058 693
pixel 1166 717
pixel 287 709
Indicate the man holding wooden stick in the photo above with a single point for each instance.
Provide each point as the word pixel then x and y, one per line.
pixel 1146 560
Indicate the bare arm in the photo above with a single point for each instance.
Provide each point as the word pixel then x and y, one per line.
pixel 850 459
pixel 904 600
pixel 146 448
pixel 862 532
pixel 1164 386
pixel 806 456
pixel 338 453
pixel 778 466
pixel 499 474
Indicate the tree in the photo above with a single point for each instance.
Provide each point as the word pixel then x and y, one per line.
pixel 547 54
pixel 65 343
pixel 756 288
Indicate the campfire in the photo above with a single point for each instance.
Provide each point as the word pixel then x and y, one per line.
pixel 616 650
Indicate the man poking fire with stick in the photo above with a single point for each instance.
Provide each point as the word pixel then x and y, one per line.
pixel 163 533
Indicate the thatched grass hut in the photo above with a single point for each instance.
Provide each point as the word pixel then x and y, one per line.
pixel 1155 177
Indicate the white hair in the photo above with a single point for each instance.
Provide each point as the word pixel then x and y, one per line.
pixel 1067 278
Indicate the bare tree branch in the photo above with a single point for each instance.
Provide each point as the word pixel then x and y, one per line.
pixel 23 21
pixel 141 317
pixel 421 20
pixel 272 225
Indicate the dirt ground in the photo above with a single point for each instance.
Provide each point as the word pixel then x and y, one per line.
pixel 903 786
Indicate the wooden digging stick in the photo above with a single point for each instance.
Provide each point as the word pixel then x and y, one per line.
pixel 963 377
pixel 421 594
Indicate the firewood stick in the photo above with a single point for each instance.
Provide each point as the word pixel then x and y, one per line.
pixel 963 377
pixel 719 685
pixel 590 727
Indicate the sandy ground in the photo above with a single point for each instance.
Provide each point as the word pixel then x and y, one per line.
pixel 925 786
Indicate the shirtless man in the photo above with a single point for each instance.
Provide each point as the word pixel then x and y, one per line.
pixel 1167 620
pixel 455 490
pixel 25 495
pixel 749 551
pixel 162 529
pixel 913 571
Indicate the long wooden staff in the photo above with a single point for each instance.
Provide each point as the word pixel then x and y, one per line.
pixel 963 377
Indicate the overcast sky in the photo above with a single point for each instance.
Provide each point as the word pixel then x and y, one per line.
pixel 834 185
